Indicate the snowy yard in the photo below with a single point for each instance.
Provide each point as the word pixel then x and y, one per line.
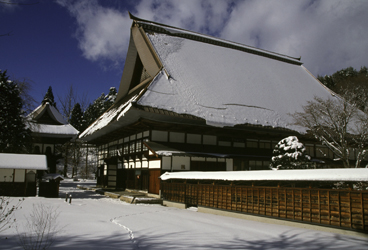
pixel 93 221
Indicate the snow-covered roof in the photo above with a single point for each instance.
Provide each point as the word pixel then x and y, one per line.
pixel 224 83
pixel 343 174
pixel 54 130
pixel 53 177
pixel 23 161
pixel 52 111
pixel 226 86
pixel 60 128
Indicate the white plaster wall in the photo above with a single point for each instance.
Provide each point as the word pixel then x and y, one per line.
pixel 20 175
pixel 160 135
pixel 178 162
pixel 229 164
pixel 177 137
pixel 155 164
pixel 144 164
pixel 194 138
pixel 138 164
pixel 8 173
pixel 209 139
pixel 166 163
pixel 198 158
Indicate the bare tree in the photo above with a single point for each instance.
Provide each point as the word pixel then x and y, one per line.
pixel 40 228
pixel 338 124
pixel 25 86
pixel 68 101
pixel 7 208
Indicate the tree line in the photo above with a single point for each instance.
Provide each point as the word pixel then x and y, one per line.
pixel 340 123
pixel 76 110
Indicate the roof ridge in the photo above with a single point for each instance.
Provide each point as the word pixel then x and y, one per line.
pixel 196 36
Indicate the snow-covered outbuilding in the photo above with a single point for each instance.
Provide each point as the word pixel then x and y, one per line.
pixel 18 173
pixel 49 129
pixel 192 102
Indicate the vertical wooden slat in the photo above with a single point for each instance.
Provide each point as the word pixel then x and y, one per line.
pixel 247 198
pixel 362 209
pixel 259 199
pixel 350 211
pixel 278 202
pixel 293 202
pixel 329 208
pixel 243 198
pixel 319 206
pixel 339 206
pixel 310 206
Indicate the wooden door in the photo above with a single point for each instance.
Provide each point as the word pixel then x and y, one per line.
pixel 154 181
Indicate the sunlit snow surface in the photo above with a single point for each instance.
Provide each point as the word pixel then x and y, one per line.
pixel 227 87
pixel 93 221
pixel 23 161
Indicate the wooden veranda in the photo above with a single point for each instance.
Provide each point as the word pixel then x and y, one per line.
pixel 346 209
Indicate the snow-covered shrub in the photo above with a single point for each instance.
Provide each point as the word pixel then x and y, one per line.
pixel 289 153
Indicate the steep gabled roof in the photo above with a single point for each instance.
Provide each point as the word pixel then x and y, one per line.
pixel 47 121
pixel 224 83
pixel 46 112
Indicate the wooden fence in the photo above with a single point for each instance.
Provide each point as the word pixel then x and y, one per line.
pixel 339 208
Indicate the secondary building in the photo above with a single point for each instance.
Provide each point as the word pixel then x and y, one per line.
pixel 49 132
pixel 18 173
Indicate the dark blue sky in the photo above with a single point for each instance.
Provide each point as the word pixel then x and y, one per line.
pixel 42 48
pixel 83 43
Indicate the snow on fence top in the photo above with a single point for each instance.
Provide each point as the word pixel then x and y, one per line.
pixel 345 174
pixel 23 161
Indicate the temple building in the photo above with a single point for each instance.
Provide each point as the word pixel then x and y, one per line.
pixel 192 102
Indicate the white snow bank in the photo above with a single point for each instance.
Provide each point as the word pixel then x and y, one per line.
pixel 23 161
pixel 346 174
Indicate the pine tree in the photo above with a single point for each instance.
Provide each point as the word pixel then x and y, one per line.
pixel 289 153
pixel 76 118
pixel 110 98
pixel 49 97
pixel 98 107
pixel 14 136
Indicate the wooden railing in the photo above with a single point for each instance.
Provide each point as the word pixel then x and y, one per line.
pixel 338 208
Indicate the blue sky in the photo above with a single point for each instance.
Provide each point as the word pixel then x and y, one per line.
pixel 83 43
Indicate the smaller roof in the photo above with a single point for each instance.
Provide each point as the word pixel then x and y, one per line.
pixel 47 121
pixel 57 177
pixel 47 130
pixel 337 174
pixel 47 108
pixel 23 161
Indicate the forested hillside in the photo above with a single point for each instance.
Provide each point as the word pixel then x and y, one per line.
pixel 350 83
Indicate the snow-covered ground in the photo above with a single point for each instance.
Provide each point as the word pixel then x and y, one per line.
pixel 93 221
